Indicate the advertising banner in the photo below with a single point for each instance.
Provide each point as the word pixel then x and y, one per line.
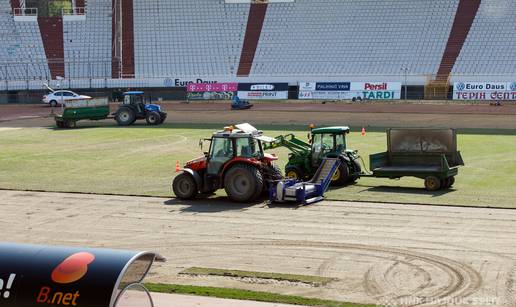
pixel 350 90
pixel 263 90
pixel 484 91
pixel 35 275
pixel 211 91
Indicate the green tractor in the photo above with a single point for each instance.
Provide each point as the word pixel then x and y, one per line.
pixel 305 158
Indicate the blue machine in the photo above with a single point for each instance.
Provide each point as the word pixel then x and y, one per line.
pixel 239 104
pixel 292 190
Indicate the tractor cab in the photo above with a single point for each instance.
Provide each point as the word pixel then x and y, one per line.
pixel 235 162
pixel 236 143
pixel 327 142
pixel 133 107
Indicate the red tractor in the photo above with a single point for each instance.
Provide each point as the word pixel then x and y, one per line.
pixel 235 162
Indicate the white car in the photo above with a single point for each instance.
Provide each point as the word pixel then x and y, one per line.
pixel 55 98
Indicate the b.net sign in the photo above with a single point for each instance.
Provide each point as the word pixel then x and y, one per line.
pixel 39 276
pixel 349 90
pixel 263 90
pixel 484 91
pixel 211 91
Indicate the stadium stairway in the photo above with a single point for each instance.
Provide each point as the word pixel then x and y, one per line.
pixel 51 29
pixel 252 36
pixel 15 4
pixel 466 13
pixel 127 69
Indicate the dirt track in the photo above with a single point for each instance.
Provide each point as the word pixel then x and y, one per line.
pixel 358 115
pixel 386 253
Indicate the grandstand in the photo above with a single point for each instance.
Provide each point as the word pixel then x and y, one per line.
pixel 150 43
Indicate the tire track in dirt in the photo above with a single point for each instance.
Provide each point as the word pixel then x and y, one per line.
pixel 462 279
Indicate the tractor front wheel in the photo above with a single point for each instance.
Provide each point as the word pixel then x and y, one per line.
pixel 125 117
pixel 153 118
pixel 184 186
pixel 294 172
pixel 243 183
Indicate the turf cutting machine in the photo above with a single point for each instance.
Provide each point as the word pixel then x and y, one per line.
pixel 239 104
pixel 235 162
pixel 294 190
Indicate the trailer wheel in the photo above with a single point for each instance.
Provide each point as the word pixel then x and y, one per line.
pixel 243 183
pixel 184 186
pixel 153 118
pixel 432 183
pixel 294 172
pixel 70 124
pixel 125 117
pixel 451 181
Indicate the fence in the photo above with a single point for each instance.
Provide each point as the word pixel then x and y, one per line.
pixel 97 75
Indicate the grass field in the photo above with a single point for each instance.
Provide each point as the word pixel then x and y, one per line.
pixel 141 160
pixel 239 294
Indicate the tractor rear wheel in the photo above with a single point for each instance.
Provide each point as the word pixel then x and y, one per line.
pixel 125 117
pixel 294 172
pixel 341 176
pixel 243 183
pixel 432 183
pixel 153 118
pixel 184 186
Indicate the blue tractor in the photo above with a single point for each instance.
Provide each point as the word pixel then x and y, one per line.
pixel 133 107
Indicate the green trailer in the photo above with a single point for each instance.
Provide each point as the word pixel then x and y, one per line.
pixel 429 154
pixel 84 109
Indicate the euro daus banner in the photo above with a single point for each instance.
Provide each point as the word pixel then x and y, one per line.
pixel 484 91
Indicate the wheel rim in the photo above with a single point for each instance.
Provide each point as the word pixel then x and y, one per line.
pixel 292 175
pixel 152 118
pixel 336 176
pixel 184 187
pixel 124 116
pixel 241 184
pixel 432 183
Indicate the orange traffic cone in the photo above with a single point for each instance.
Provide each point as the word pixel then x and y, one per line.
pixel 178 167
pixel 363 131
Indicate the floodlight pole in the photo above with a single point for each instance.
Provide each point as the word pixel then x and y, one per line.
pixel 405 72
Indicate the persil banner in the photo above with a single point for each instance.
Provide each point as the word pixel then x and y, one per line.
pixel 263 90
pixel 349 90
pixel 207 91
pixel 484 91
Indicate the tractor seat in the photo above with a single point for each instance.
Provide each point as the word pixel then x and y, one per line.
pixel 246 151
pixel 291 191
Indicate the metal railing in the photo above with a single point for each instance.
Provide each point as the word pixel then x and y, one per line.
pixel 27 11
pixel 73 11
